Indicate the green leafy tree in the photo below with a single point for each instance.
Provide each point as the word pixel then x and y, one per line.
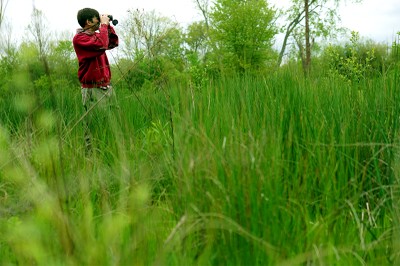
pixel 29 57
pixel 197 48
pixel 62 61
pixel 196 39
pixel 242 34
pixel 171 47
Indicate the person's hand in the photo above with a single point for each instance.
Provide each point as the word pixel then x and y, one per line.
pixel 104 19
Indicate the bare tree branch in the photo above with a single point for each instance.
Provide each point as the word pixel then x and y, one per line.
pixel 3 6
pixel 203 6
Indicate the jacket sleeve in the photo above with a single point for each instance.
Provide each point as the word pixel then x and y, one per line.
pixel 113 38
pixel 92 45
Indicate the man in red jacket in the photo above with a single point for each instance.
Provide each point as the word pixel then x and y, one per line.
pixel 90 44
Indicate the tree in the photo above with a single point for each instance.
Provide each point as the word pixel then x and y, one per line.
pixel 242 33
pixel 308 20
pixel 8 50
pixel 145 32
pixel 204 6
pixel 155 43
pixel 38 30
pixel 196 38
pixel 8 56
pixel 62 60
pixel 7 47
pixel 198 42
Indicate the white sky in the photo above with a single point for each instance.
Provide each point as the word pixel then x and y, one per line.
pixel 375 19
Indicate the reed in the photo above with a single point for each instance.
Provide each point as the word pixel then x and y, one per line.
pixel 273 170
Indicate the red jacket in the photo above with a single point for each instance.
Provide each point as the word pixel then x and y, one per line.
pixel 90 48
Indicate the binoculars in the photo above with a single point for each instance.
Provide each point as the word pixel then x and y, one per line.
pixel 113 21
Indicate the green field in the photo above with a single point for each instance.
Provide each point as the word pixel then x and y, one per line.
pixel 267 170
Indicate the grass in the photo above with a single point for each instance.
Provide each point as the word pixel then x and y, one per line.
pixel 273 170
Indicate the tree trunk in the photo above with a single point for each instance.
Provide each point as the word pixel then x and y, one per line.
pixel 289 31
pixel 203 6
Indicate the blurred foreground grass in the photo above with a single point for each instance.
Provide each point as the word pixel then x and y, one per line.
pixel 244 171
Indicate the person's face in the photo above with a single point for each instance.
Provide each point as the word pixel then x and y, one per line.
pixel 93 25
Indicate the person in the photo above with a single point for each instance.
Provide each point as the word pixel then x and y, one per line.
pixel 90 43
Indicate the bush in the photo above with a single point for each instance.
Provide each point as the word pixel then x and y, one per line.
pixel 355 60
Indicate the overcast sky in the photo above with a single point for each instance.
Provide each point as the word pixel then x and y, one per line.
pixel 375 19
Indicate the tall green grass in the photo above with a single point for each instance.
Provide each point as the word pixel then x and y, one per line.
pixel 273 170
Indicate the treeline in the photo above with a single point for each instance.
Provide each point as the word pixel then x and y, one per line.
pixel 235 37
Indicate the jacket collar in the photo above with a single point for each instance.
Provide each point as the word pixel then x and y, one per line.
pixel 81 30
